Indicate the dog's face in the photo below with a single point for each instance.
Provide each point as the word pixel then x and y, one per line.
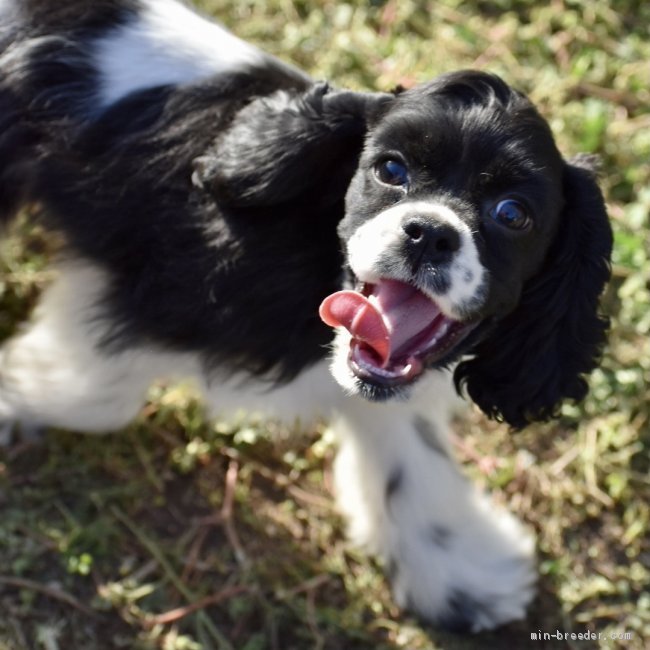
pixel 459 197
pixel 467 237
pixel 454 205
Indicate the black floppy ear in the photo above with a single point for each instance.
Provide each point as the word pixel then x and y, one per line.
pixel 287 145
pixel 538 354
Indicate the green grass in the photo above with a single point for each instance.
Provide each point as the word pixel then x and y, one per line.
pixel 126 543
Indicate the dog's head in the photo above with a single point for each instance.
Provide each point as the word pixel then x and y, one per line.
pixel 468 238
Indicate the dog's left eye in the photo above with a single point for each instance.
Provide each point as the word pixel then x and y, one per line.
pixel 392 172
pixel 511 213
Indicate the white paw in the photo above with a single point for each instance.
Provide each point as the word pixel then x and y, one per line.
pixel 453 557
pixel 474 576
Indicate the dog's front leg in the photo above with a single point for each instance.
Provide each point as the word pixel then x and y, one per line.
pixel 453 557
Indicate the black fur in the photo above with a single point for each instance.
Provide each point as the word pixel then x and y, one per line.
pixel 18 141
pixel 429 436
pixel 463 611
pixel 441 536
pixel 538 355
pixel 177 262
pixel 394 484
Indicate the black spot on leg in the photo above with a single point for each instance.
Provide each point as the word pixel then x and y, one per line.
pixel 440 535
pixel 395 479
pixel 463 611
pixel 429 436
pixel 392 569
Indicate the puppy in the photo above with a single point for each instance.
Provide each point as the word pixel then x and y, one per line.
pixel 213 198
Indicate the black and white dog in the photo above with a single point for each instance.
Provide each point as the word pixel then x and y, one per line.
pixel 212 198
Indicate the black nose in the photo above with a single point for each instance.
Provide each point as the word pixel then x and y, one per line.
pixel 430 241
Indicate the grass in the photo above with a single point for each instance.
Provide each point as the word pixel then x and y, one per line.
pixel 180 534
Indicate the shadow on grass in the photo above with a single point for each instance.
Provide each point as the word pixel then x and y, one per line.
pixel 154 538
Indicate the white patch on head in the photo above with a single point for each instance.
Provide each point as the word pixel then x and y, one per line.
pixel 467 272
pixel 368 246
pixel 373 248
pixel 167 43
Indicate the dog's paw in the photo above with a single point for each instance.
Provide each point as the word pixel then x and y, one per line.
pixel 465 579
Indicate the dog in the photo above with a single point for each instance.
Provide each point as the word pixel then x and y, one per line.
pixel 302 251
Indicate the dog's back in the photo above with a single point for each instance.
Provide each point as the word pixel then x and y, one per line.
pixel 47 81
pixel 64 64
pixel 110 111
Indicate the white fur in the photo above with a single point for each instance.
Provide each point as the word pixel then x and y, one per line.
pixel 312 396
pixel 167 44
pixel 372 240
pixel 378 239
pixel 15 59
pixel 54 374
pixel 8 9
pixel 339 366
pixel 487 556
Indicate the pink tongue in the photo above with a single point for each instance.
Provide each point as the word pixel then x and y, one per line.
pixel 360 317
pixel 393 314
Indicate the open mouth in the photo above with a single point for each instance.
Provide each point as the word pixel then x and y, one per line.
pixel 396 330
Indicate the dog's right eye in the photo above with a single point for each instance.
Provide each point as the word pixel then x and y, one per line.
pixel 392 172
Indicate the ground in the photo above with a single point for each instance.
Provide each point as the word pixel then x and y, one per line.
pixel 181 534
